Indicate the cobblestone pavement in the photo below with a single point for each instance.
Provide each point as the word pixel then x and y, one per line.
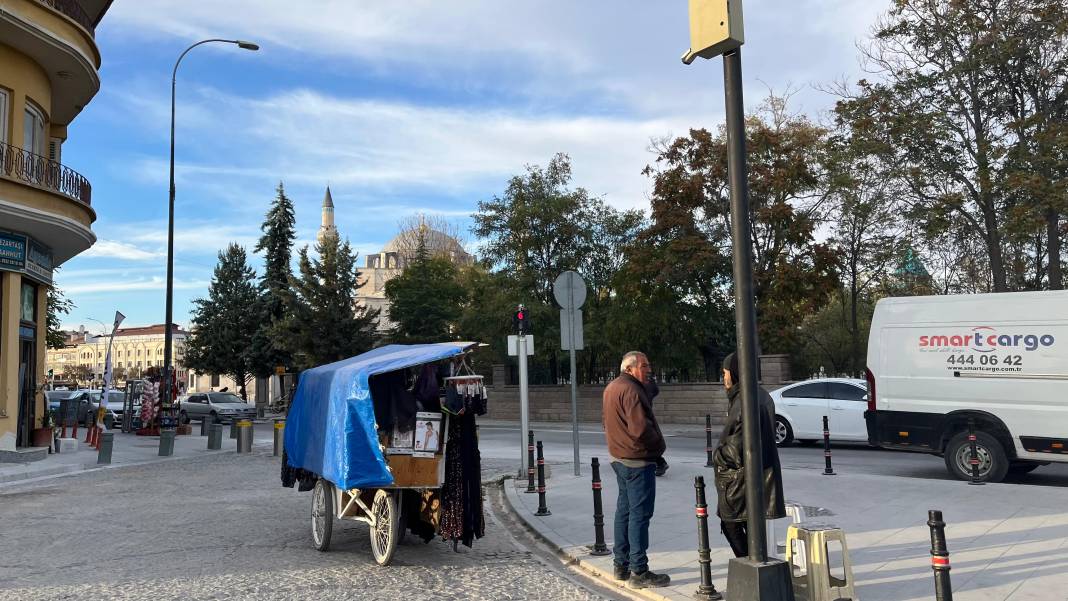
pixel 222 527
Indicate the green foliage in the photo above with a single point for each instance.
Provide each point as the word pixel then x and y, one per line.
pixel 268 348
pixel 58 305
pixel 323 324
pixel 426 299
pixel 223 325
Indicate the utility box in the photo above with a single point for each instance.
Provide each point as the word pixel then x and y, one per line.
pixel 715 28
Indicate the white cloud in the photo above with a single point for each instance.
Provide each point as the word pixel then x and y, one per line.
pixel 110 286
pixel 120 250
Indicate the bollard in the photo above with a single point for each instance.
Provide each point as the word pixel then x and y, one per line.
pixel 708 439
pixel 233 428
pixel 107 442
pixel 974 458
pixel 939 556
pixel 542 509
pixel 706 591
pixel 215 437
pixel 166 443
pixel 55 441
pixel 827 469
pixel 530 462
pixel 598 548
pixel 279 437
pixel 205 425
pixel 244 436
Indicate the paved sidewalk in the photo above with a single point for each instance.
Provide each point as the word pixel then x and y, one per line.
pixel 128 449
pixel 1007 542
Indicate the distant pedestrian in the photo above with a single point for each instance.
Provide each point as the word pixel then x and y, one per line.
pixel 653 389
pixel 634 442
pixel 729 463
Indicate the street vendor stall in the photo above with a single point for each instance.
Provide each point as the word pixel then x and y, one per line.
pixel 388 438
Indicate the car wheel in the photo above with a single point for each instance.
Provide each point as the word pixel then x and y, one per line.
pixel 784 434
pixel 993 462
pixel 183 417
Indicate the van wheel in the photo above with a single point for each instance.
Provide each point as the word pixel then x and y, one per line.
pixel 784 434
pixel 993 463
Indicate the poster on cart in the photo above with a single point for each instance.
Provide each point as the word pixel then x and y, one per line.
pixel 427 432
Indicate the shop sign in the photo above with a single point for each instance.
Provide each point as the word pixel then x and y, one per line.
pixel 39 263
pixel 12 251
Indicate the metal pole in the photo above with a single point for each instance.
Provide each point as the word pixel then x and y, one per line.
pixel 706 591
pixel 542 508
pixel 827 469
pixel 599 547
pixel 973 459
pixel 708 440
pixel 574 397
pixel 524 422
pixel 939 556
pixel 745 310
pixel 530 462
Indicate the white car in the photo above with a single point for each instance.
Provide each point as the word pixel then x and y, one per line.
pixel 800 407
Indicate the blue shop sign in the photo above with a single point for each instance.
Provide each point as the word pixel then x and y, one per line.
pixel 12 252
pixel 27 256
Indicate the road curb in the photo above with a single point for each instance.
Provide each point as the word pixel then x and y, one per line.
pixel 570 557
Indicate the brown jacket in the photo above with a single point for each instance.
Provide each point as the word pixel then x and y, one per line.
pixel 629 424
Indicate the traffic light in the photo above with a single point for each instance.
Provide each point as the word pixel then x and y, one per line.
pixel 521 321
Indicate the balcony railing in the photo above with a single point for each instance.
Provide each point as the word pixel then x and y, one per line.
pixel 37 170
pixel 72 9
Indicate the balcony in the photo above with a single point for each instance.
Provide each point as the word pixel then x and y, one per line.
pixel 36 170
pixel 74 10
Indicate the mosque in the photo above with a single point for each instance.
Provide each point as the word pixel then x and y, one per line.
pixel 391 261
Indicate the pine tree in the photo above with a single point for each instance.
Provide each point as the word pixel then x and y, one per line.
pixel 223 325
pixel 323 323
pixel 268 348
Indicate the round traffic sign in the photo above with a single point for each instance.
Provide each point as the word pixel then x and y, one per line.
pixel 570 290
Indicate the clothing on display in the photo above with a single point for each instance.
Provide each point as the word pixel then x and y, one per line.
pixel 462 519
pixel 292 475
pixel 465 394
pixel 394 403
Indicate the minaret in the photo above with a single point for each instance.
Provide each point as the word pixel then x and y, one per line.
pixel 327 228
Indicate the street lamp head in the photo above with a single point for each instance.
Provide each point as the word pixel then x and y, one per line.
pixel 247 45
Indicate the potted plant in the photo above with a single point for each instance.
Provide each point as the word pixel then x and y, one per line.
pixel 42 437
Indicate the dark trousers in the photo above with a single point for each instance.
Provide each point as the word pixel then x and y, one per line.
pixel 634 509
pixel 737 536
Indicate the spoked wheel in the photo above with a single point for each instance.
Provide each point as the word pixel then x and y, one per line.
pixel 385 509
pixel 322 514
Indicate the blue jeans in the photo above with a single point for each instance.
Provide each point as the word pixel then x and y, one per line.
pixel 634 509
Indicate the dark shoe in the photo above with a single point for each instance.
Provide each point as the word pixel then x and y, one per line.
pixel 620 572
pixel 661 468
pixel 648 579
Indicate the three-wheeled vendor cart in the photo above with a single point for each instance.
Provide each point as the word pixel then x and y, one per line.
pixel 360 473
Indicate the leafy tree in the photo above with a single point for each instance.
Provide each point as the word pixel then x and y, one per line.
pixel 77 373
pixel 223 325
pixel 426 299
pixel 687 246
pixel 269 348
pixel 58 305
pixel 323 323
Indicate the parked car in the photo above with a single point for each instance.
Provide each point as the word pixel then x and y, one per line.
pixel 116 404
pixel 226 406
pixel 800 407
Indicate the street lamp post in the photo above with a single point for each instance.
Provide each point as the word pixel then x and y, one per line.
pixel 167 334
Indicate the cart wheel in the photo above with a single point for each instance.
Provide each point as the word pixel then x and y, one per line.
pixel 322 514
pixel 384 535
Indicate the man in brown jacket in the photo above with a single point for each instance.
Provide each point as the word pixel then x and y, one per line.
pixel 635 443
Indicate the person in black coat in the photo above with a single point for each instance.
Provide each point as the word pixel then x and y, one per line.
pixel 729 462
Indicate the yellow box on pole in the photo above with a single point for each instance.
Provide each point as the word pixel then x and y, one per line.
pixel 715 28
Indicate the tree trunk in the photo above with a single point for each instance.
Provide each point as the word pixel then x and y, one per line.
pixel 1053 242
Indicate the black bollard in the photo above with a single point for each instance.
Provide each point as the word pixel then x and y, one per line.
pixel 974 457
pixel 708 439
pixel 599 548
pixel 939 556
pixel 542 509
pixel 530 462
pixel 827 469
pixel 706 591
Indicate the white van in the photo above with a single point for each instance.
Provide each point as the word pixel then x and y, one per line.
pixel 1000 360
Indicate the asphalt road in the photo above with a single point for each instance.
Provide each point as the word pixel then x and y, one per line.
pixel 222 527
pixel 503 442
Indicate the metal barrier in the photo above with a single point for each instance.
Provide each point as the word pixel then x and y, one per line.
pixel 530 462
pixel 808 557
pixel 279 436
pixel 939 556
pixel 542 508
pixel 166 443
pixel 107 443
pixel 244 436
pixel 215 433
pixel 599 547
pixel 205 425
pixel 706 591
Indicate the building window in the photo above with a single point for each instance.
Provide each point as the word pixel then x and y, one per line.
pixel 214 380
pixel 33 130
pixel 4 104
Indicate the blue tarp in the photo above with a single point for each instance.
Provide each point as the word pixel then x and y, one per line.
pixel 330 429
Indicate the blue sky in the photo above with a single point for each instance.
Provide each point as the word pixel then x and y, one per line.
pixel 402 108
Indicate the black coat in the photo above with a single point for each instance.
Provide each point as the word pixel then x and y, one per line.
pixel 729 462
